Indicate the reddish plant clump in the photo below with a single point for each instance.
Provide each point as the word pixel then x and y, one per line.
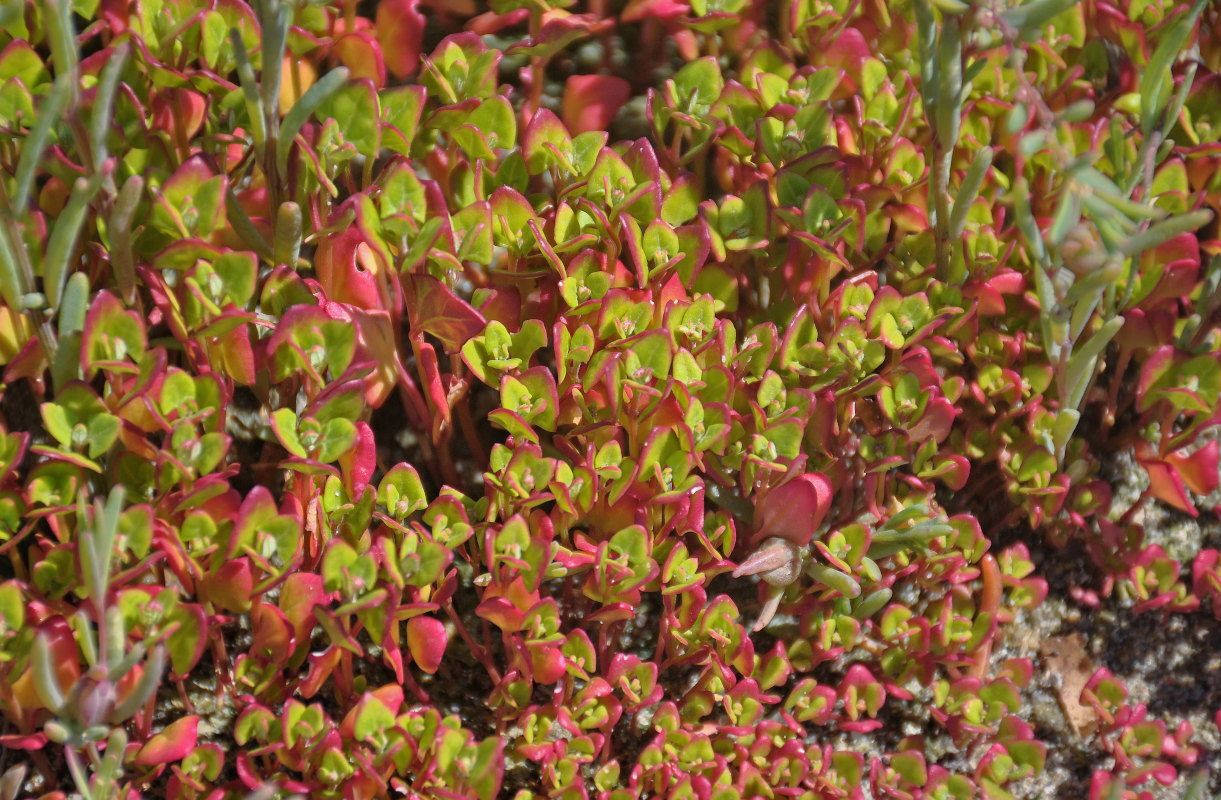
pixel 377 420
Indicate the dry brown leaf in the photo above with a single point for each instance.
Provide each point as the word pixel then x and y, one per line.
pixel 1066 656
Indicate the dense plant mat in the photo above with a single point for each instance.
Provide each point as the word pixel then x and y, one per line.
pixel 704 399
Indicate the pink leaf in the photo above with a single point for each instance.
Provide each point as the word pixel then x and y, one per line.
pixel 426 638
pixel 359 462
pixel 348 268
pixel 1199 469
pixel 434 308
pixel 400 31
pixel 793 510
pixel 591 101
pixel 361 53
pixel 1167 486
pixel 172 744
pixel 230 586
pixel 298 596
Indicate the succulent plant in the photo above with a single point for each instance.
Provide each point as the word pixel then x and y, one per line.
pixel 607 400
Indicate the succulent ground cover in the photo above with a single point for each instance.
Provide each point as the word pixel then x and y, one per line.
pixel 694 399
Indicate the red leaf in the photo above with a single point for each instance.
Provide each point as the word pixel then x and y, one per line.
pixel 348 268
pixel 501 613
pixel 18 741
pixel 591 101
pixel 273 634
pixel 400 31
pixel 298 596
pixel 361 54
pixel 234 355
pixel 548 665
pixel 230 586
pixel 180 112
pixel 172 744
pixel 359 462
pixel 1199 469
pixel 426 638
pixel 433 308
pixel 1167 486
pixel 794 510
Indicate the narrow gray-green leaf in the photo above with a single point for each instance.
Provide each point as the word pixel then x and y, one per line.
pixel 887 543
pixel 129 659
pixel 1180 99
pixel 1068 214
pixel 1106 188
pixel 75 305
pixel 116 631
pixel 275 34
pixel 145 687
pixel 908 513
pixel 926 34
pixel 122 212
pixel 12 285
pixel 1089 286
pixel 1157 79
pixel 1166 230
pixel 64 235
pixel 58 19
pixel 50 111
pixel 1062 431
pixel 86 639
pixel 302 109
pixel 106 521
pixel 1113 227
pixel 67 364
pixel 288 234
pixel 103 104
pixel 1082 310
pixel 871 603
pixel 949 83
pixel 1082 362
pixel 1079 111
pixel 1197 786
pixel 46 681
pixel 1029 16
pixel 969 191
pixel 1017 118
pixel 834 579
pixel 250 91
pixel 93 566
pixel 241 223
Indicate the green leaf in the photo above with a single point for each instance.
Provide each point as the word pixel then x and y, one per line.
pixel 401 492
pixel 1157 79
pixel 301 111
pixel 697 86
pixel 1032 16
pixel 274 18
pixel 490 127
pixel 50 111
pixel 287 238
pixel 338 436
pixel 355 106
pixel 969 190
pixel 46 682
pixel 250 92
pixel 103 103
pixel 1084 358
pixel 284 426
pixel 1166 230
pixel 401 111
pixel 57 16
pixel 949 83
